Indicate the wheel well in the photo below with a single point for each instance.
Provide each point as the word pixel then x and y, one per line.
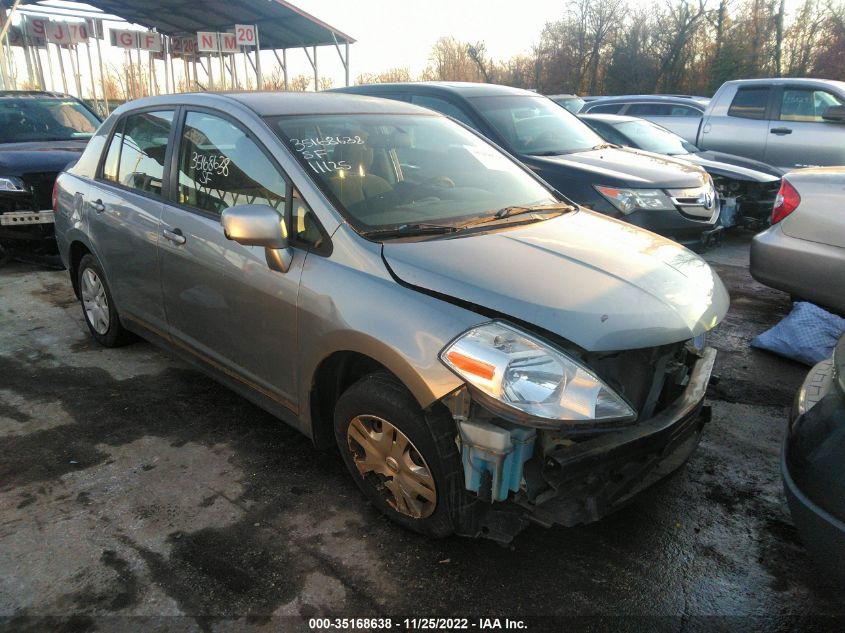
pixel 335 375
pixel 78 250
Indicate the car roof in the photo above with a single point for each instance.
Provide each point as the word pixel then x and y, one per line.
pixel 463 88
pixel 278 103
pixel 698 101
pixel 788 80
pixel 610 119
pixel 19 94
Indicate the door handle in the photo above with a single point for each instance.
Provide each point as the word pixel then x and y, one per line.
pixel 174 236
pixel 780 131
pixel 98 206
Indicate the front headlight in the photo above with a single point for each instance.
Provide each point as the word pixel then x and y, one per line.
pixel 630 200
pixel 531 377
pixel 11 183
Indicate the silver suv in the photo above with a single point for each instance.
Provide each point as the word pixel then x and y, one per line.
pixel 481 351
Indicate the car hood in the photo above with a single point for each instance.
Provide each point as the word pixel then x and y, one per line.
pixel 599 283
pixel 635 168
pixel 21 158
pixel 734 166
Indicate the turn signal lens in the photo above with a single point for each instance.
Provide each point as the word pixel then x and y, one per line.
pixel 471 365
pixel 786 202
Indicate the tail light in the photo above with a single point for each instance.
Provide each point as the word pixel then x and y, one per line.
pixel 786 202
pixel 54 198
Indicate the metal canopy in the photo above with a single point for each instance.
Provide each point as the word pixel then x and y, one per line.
pixel 281 24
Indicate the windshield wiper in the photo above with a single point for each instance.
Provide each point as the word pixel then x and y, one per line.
pixel 509 212
pixel 406 230
pixel 606 146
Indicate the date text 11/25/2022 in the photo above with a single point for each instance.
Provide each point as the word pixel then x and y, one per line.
pixel 416 624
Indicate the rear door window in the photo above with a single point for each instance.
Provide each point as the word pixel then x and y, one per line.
pixel 607 108
pixel 135 158
pixel 750 103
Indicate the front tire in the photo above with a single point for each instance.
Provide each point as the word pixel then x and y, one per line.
pixel 98 306
pixel 402 458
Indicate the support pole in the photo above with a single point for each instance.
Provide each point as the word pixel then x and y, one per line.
pixel 165 48
pixel 61 65
pixel 91 74
pixel 282 65
pixel 75 54
pixel 347 63
pixel 102 72
pixel 316 71
pixel 50 65
pixel 258 77
pixel 285 58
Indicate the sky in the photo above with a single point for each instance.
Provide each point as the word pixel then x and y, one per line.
pixel 401 34
pixel 397 34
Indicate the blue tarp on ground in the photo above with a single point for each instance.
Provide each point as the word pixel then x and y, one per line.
pixel 807 334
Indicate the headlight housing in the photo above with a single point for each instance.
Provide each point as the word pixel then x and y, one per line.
pixel 12 183
pixel 530 381
pixel 630 200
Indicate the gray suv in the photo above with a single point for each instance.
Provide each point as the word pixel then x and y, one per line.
pixel 481 351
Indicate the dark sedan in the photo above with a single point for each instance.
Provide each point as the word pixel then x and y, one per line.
pixel 40 133
pixel 665 195
pixel 747 188
pixel 813 463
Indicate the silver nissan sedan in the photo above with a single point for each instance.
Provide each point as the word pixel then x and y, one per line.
pixel 482 352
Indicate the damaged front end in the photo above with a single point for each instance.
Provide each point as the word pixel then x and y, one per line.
pixel 522 468
pixel 26 214
pixel 746 203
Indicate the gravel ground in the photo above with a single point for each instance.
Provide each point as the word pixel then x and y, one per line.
pixel 135 493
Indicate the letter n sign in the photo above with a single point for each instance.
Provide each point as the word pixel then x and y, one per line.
pixel 207 42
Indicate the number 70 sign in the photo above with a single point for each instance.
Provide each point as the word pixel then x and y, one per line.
pixel 246 34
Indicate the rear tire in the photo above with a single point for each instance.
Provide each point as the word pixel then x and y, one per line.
pixel 402 458
pixel 98 307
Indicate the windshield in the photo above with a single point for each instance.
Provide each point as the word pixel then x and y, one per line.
pixel 45 119
pixel 654 138
pixel 388 171
pixel 536 125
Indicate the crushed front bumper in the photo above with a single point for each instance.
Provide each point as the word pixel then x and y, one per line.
pixel 584 481
pixel 25 218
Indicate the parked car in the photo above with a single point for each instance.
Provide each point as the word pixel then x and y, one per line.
pixel 803 253
pixel 746 188
pixel 659 193
pixel 40 133
pixel 813 464
pixel 573 103
pixel 480 350
pixel 678 113
pixel 788 123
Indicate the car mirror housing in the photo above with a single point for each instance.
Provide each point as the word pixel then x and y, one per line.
pixel 259 225
pixel 834 114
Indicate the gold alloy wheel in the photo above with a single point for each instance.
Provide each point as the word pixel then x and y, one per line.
pixel 380 448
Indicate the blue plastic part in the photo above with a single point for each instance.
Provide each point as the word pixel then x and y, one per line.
pixel 505 469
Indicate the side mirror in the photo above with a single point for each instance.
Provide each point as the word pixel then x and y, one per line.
pixel 259 225
pixel 834 114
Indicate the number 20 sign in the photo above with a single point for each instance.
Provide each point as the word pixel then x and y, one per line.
pixel 246 34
